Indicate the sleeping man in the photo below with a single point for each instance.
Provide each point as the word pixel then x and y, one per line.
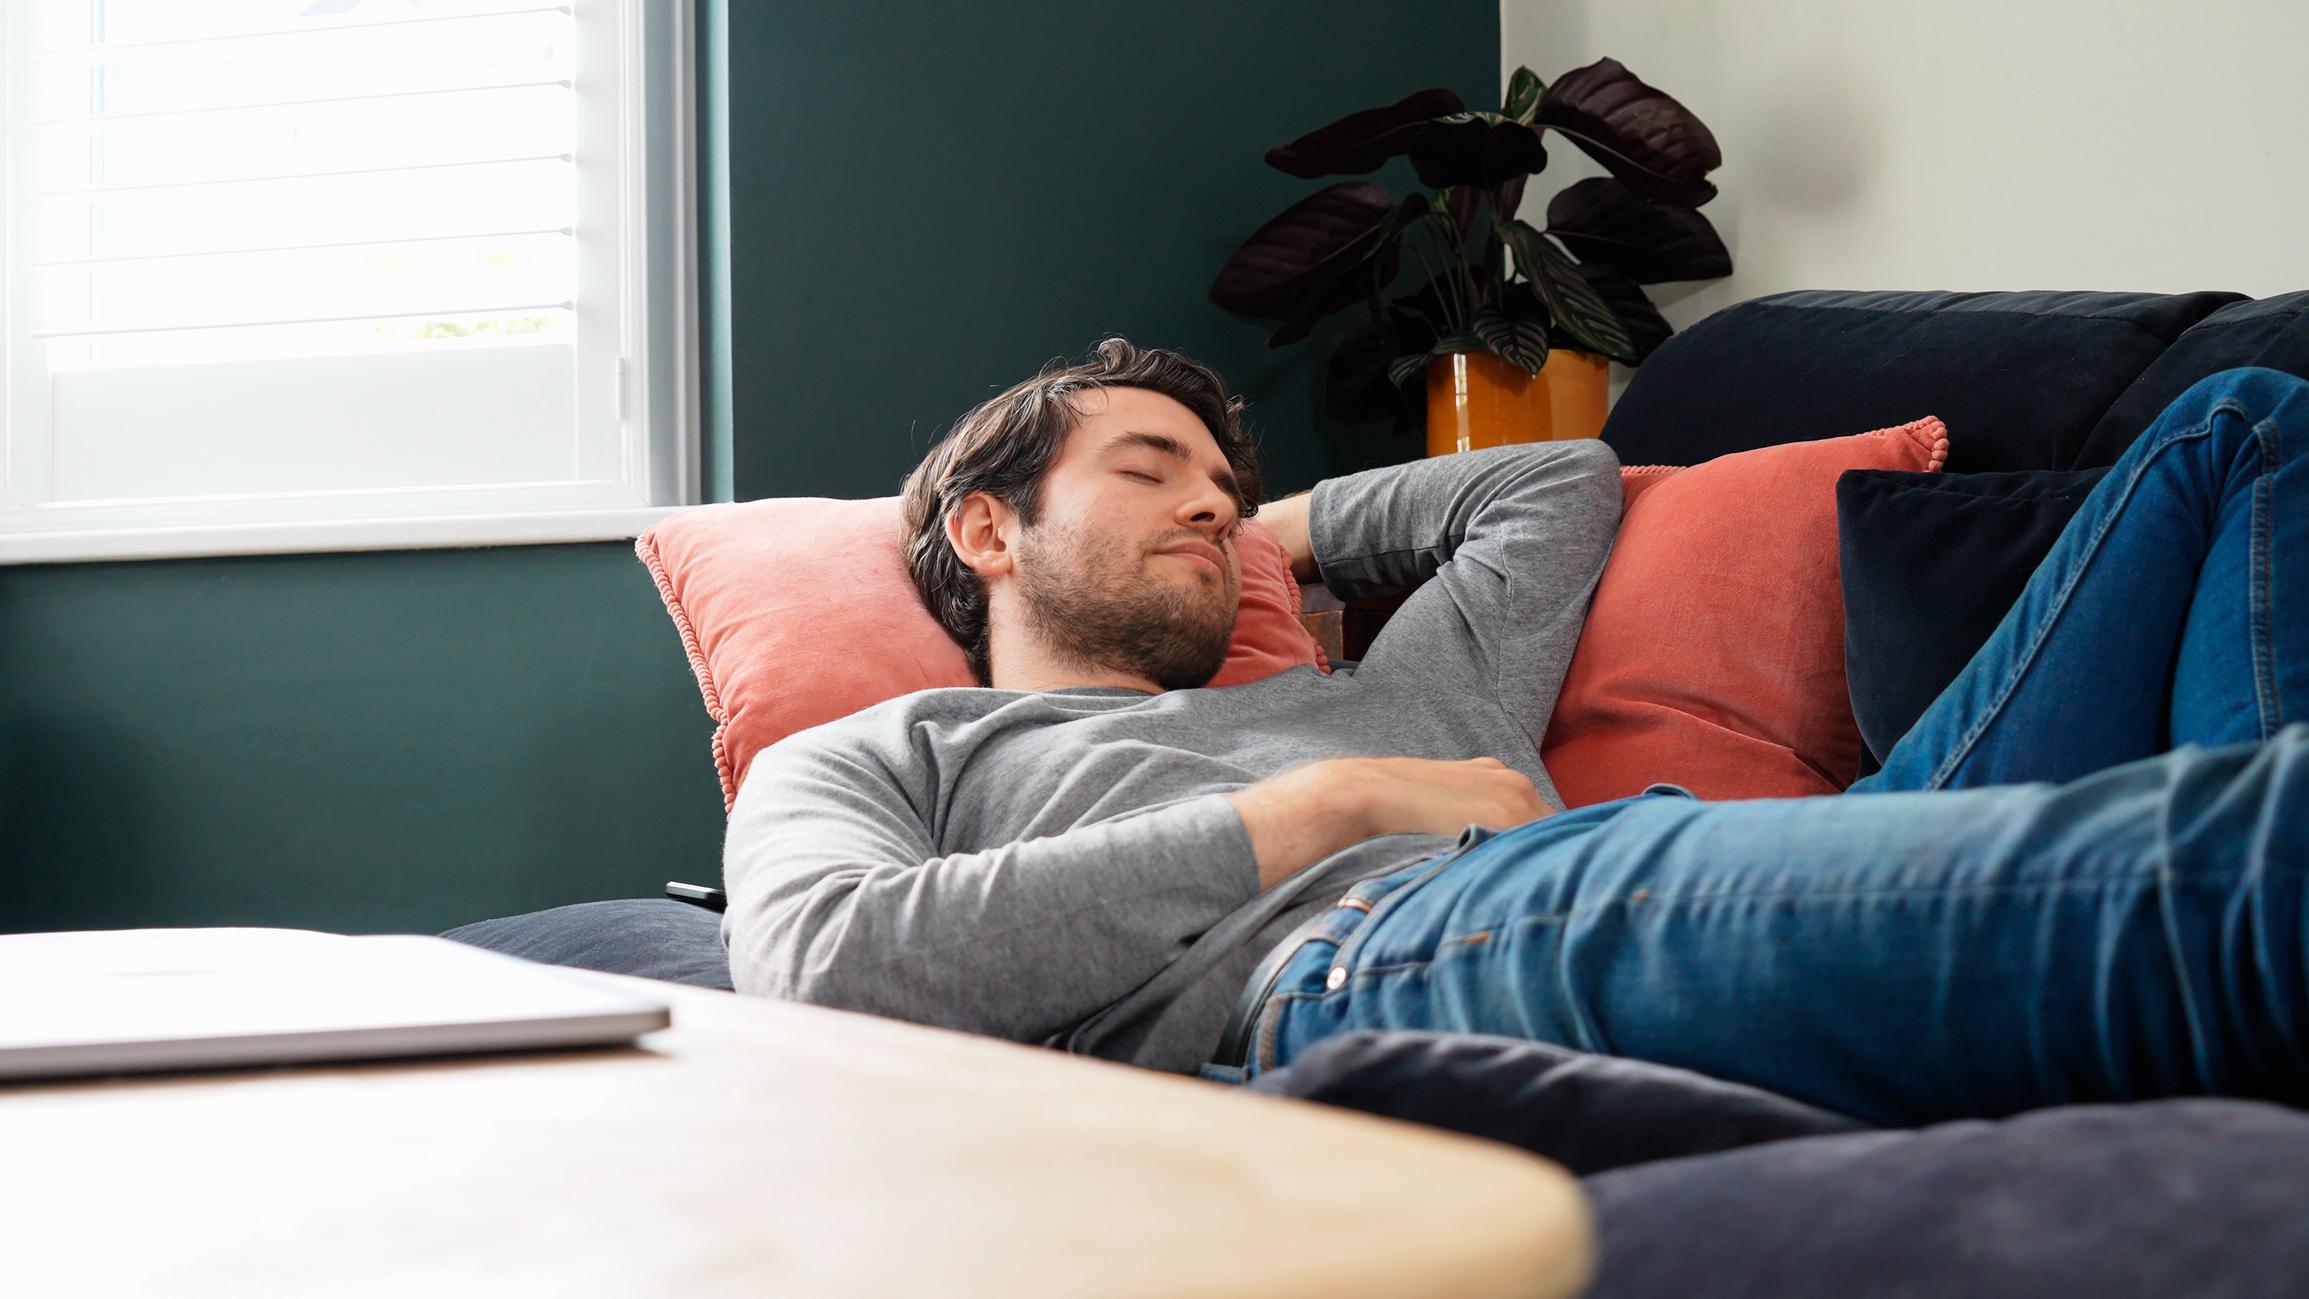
pixel 2030 905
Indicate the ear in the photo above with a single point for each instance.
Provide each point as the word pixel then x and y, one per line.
pixel 984 533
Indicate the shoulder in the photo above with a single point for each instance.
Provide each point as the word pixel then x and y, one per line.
pixel 904 742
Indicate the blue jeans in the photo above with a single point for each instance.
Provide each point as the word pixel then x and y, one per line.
pixel 1941 941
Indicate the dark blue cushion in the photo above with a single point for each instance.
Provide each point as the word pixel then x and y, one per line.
pixel 2019 378
pixel 2273 332
pixel 1586 1112
pixel 2200 1198
pixel 656 938
pixel 1931 563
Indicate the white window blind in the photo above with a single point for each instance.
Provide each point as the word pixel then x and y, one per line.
pixel 294 274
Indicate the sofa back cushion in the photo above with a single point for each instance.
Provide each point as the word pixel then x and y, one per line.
pixel 2273 332
pixel 799 610
pixel 2020 378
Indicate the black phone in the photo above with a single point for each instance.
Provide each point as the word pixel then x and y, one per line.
pixel 710 899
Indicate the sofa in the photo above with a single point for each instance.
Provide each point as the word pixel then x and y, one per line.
pixel 1701 1186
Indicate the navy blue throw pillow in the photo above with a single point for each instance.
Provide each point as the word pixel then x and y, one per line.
pixel 2019 378
pixel 1931 563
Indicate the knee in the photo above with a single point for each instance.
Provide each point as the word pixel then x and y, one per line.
pixel 2254 395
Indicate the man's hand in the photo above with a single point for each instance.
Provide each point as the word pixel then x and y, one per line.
pixel 1303 815
pixel 1288 518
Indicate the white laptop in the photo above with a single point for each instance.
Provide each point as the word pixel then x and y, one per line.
pixel 106 1001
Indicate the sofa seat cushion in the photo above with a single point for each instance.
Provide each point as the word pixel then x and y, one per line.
pixel 2182 1197
pixel 2020 378
pixel 1590 1113
pixel 654 938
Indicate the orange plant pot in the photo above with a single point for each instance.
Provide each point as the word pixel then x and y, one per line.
pixel 1477 400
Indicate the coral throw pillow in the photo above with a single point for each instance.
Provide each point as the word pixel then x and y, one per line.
pixel 1713 655
pixel 797 611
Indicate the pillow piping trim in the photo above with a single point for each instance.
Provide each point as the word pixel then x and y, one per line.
pixel 1920 432
pixel 645 548
pixel 1299 602
pixel 1934 445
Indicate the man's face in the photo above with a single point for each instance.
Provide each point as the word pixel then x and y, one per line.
pixel 1131 563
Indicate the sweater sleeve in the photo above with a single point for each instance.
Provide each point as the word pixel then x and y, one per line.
pixel 839 897
pixel 1504 545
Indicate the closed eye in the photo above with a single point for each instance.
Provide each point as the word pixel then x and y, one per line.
pixel 1142 477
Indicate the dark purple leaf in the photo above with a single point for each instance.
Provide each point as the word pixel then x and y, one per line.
pixel 1355 387
pixel 1480 149
pixel 1577 310
pixel 1636 131
pixel 1602 220
pixel 1363 142
pixel 1523 92
pixel 1646 327
pixel 1518 340
pixel 1466 205
pixel 1510 198
pixel 1296 257
pixel 1354 283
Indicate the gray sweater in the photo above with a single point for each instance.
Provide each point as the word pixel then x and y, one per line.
pixel 1062 867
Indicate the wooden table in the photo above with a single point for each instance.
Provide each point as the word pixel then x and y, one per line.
pixel 757 1149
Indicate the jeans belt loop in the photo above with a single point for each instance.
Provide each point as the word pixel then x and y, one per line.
pixel 1235 1043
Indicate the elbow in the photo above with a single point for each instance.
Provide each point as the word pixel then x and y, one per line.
pixel 1594 470
pixel 793 951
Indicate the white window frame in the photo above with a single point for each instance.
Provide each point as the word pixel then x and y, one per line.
pixel 656 381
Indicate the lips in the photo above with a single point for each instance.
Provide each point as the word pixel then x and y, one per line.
pixel 1205 556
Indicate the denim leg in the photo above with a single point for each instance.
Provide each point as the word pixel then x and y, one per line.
pixel 1903 957
pixel 2171 611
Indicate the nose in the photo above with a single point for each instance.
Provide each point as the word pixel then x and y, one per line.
pixel 1209 509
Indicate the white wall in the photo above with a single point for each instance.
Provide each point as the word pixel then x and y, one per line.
pixel 1970 144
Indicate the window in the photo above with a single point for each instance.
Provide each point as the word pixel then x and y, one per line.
pixel 320 274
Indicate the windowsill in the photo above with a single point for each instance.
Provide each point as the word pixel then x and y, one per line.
pixel 527 529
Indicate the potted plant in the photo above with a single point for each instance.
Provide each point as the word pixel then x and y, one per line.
pixel 1511 324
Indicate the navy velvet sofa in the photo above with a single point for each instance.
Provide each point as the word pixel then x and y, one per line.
pixel 1703 1187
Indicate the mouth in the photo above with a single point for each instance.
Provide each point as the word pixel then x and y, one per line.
pixel 1204 557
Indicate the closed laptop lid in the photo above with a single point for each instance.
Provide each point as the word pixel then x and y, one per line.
pixel 104 1001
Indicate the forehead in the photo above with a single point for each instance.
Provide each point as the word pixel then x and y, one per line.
pixel 1106 416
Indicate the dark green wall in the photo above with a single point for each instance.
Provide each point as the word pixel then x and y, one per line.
pixel 932 200
pixel 356 742
pixel 907 207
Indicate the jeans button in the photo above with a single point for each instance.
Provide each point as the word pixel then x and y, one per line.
pixel 1337 980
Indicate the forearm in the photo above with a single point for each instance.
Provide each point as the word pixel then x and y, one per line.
pixel 1304 815
pixel 853 908
pixel 1297 819
pixel 1516 509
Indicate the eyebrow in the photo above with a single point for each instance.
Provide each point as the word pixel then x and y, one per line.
pixel 1176 450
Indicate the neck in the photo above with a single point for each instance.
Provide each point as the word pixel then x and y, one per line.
pixel 1021 661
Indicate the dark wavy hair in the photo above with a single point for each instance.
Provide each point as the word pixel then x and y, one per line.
pixel 1006 446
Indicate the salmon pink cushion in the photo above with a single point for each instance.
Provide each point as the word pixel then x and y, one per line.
pixel 797 611
pixel 1713 655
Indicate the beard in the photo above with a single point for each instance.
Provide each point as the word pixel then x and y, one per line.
pixel 1090 599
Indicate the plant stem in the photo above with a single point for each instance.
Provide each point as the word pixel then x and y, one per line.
pixel 1450 303
pixel 1459 258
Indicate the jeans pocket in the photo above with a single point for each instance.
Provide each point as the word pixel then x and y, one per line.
pixel 1391 889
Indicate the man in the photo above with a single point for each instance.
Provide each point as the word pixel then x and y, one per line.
pixel 1093 853
pixel 1090 852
